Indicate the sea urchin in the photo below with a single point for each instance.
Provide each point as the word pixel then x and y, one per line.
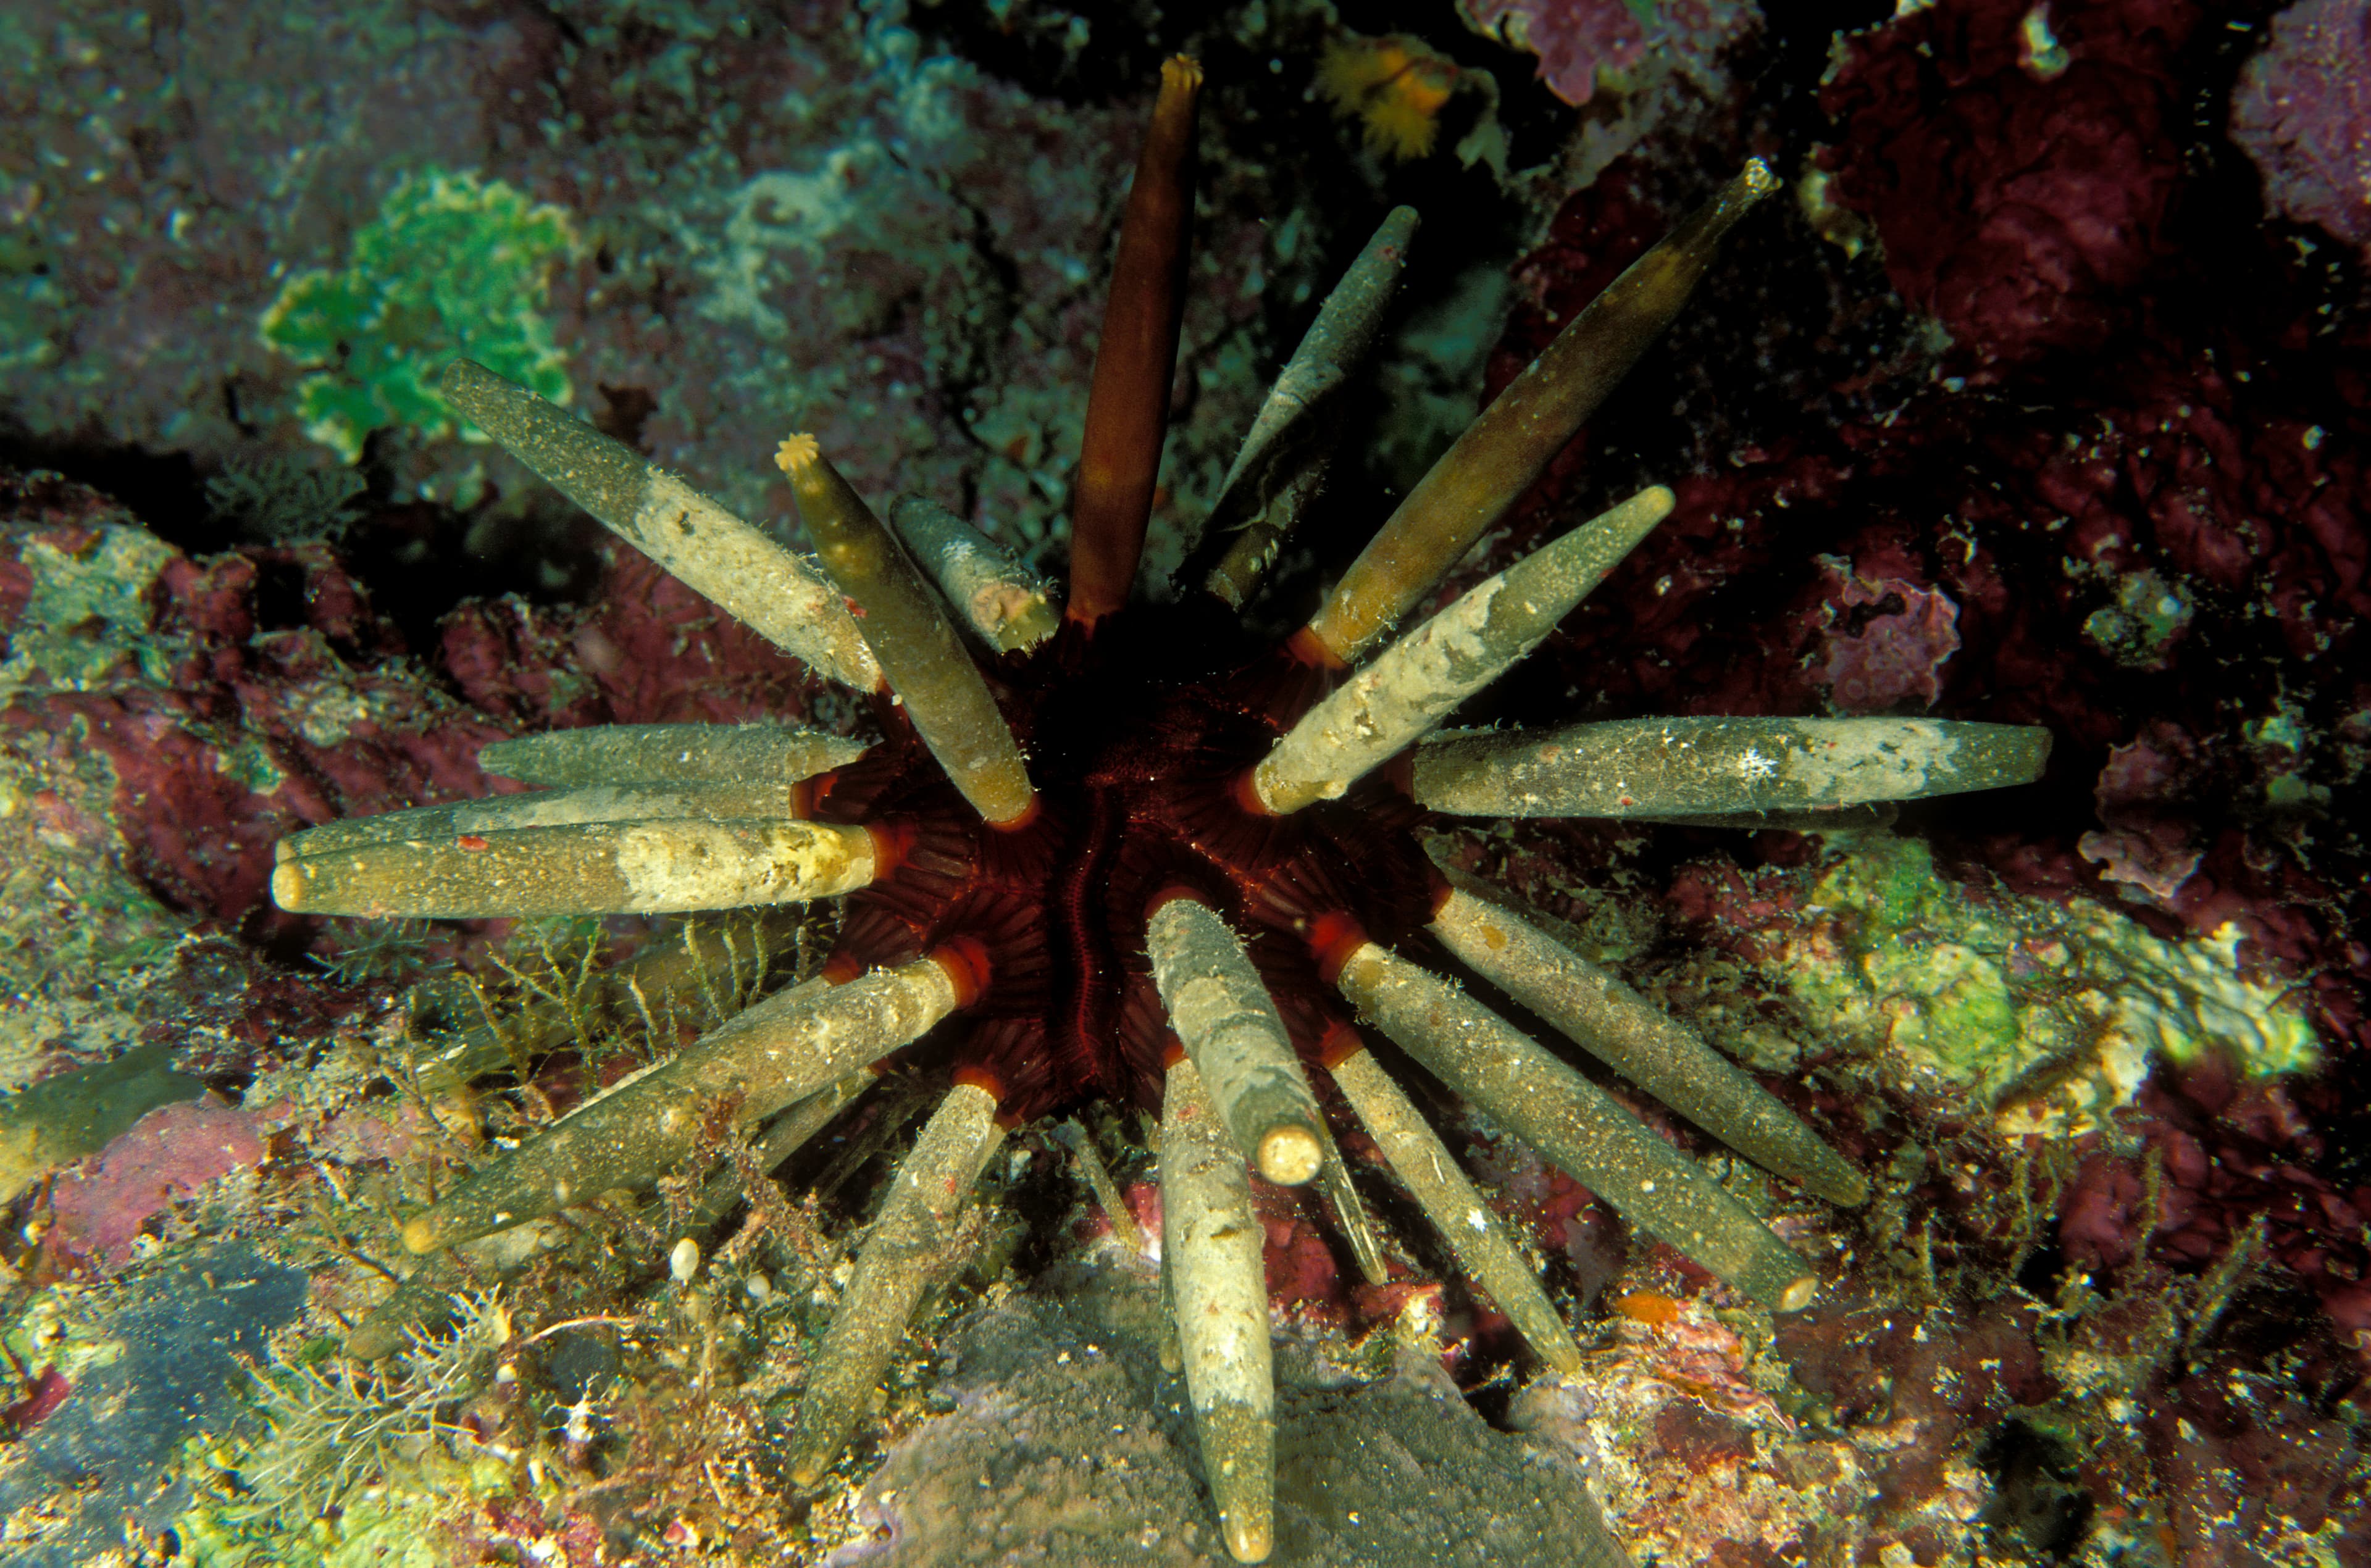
pixel 1129 857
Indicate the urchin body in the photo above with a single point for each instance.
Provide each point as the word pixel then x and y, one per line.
pixel 1141 859
pixel 1137 738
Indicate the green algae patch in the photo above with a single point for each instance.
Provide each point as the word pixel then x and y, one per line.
pixel 392 1523
pixel 452 266
pixel 70 1114
pixel 2044 1018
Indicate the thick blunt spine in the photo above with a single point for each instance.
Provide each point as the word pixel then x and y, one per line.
pixel 1419 680
pixel 1576 1125
pixel 1430 1173
pixel 748 575
pixel 1658 768
pixel 1218 1293
pixel 1005 602
pixel 925 664
pixel 785 1048
pixel 1272 476
pixel 669 753
pixel 546 808
pixel 639 868
pixel 1525 426
pixel 1230 1029
pixel 1644 1044
pixel 1128 402
pixel 902 1252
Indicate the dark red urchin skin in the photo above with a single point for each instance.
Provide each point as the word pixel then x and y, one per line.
pixel 1136 732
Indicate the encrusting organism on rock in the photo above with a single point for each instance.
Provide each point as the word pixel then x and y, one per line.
pixel 1125 856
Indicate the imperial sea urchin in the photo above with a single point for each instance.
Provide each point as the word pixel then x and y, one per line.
pixel 1128 856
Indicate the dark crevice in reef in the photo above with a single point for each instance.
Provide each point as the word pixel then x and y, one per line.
pixel 2037 1501
pixel 417 561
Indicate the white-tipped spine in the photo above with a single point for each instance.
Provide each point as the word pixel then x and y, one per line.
pixel 1232 1033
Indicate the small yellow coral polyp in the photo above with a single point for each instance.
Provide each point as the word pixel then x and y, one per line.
pixel 1395 85
pixel 796 451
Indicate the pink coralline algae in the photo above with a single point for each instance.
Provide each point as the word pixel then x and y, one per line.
pixel 2148 844
pixel 2135 468
pixel 1581 44
pixel 1886 642
pixel 170 1154
pixel 2019 206
pixel 2302 111
pixel 234 711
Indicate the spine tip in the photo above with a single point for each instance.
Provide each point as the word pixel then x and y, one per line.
pixel 797 454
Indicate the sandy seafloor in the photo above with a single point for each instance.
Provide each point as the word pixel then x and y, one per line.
pixel 2038 395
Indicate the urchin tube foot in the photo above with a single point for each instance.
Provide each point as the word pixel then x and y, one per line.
pixel 1430 1173
pixel 1230 1029
pixel 1420 679
pixel 1658 768
pixel 1638 1040
pixel 1575 1125
pixel 786 1048
pixel 924 664
pixel 1512 444
pixel 904 1249
pixel 597 868
pixel 735 567
pixel 1218 1293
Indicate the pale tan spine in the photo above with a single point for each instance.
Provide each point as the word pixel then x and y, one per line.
pixel 543 808
pixel 902 1251
pixel 1419 680
pixel 1007 604
pixel 1283 459
pixel 784 1049
pixel 1644 1044
pixel 1230 1029
pixel 1575 1125
pixel 600 868
pixel 1430 1173
pixel 669 753
pixel 772 591
pixel 1217 1290
pixel 1661 767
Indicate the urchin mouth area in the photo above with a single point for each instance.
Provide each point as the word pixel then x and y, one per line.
pixel 1136 730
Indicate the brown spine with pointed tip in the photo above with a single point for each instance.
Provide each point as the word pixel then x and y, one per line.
pixel 1525 426
pixel 1128 404
pixel 920 656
